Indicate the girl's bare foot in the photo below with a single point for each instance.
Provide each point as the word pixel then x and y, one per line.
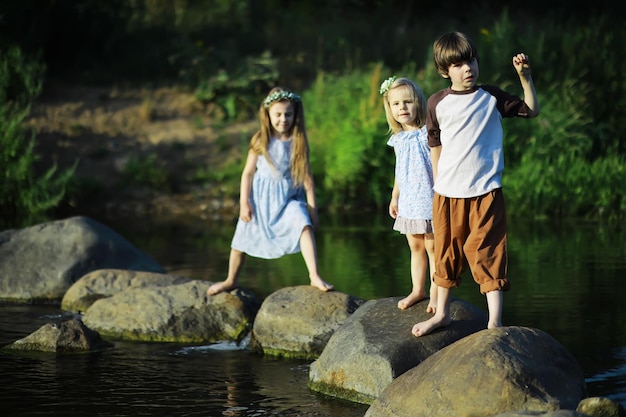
pixel 411 299
pixel 321 285
pixel 219 287
pixel 432 303
pixel 432 306
pixel 425 327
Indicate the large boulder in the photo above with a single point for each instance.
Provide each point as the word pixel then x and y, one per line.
pixel 41 262
pixel 297 322
pixel 558 413
pixel 375 345
pixel 508 369
pixel 69 336
pixel 174 313
pixel 106 282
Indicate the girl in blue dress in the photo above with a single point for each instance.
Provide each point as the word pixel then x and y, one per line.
pixel 412 195
pixel 277 210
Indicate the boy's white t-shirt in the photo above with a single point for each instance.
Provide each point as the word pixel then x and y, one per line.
pixel 468 127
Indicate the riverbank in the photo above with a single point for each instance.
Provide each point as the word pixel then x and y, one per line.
pixel 139 151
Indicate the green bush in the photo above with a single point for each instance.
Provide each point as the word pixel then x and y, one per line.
pixel 347 131
pixel 23 193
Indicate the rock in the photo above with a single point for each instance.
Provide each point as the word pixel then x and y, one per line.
pixel 297 322
pixel 488 373
pixel 601 407
pixel 106 282
pixel 41 262
pixel 174 313
pixel 375 345
pixel 70 336
pixel 558 413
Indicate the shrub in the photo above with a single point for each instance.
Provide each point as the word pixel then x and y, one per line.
pixel 22 193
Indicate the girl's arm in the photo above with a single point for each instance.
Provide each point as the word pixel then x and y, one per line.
pixel 393 204
pixel 245 209
pixel 309 189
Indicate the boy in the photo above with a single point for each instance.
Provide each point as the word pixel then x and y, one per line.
pixel 465 136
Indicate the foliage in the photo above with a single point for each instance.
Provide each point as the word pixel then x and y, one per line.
pixel 567 162
pixel 22 191
pixel 347 132
pixel 147 171
pixel 236 94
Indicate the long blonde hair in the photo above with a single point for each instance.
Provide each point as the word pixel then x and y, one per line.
pixel 300 167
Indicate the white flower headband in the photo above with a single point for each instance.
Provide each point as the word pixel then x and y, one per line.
pixel 280 95
pixel 384 87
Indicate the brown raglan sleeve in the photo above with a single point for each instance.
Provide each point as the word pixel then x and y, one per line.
pixel 508 105
pixel 432 124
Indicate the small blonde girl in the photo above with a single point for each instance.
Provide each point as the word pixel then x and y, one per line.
pixel 412 195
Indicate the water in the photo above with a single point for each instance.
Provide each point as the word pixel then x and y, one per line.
pixel 567 280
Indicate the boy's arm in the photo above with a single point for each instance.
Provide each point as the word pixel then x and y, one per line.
pixel 522 66
pixel 435 152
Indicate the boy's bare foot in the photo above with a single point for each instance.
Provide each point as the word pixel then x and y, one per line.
pixel 425 327
pixel 410 300
pixel 493 325
pixel 321 285
pixel 219 287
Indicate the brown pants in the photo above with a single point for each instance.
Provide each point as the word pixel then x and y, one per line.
pixel 471 231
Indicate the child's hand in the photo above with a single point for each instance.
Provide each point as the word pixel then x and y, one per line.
pixel 393 208
pixel 245 212
pixel 522 65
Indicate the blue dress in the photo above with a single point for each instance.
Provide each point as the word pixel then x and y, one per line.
pixel 414 176
pixel 279 209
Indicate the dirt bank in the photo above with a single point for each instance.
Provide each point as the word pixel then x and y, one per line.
pixel 138 151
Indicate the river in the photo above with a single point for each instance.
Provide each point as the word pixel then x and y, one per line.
pixel 567 280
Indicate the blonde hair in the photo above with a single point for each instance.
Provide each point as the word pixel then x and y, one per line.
pixel 418 98
pixel 300 167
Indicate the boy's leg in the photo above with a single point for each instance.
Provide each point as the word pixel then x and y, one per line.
pixel 495 300
pixel 450 228
pixel 419 268
pixel 486 251
pixel 441 317
pixel 309 253
pixel 235 263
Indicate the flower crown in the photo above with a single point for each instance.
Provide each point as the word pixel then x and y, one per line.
pixel 384 87
pixel 280 95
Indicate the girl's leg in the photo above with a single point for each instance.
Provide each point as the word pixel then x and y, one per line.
pixel 419 265
pixel 309 253
pixel 495 300
pixel 235 263
pixel 429 244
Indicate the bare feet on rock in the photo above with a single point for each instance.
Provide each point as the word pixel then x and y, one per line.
pixel 411 299
pixel 425 327
pixel 321 285
pixel 219 287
